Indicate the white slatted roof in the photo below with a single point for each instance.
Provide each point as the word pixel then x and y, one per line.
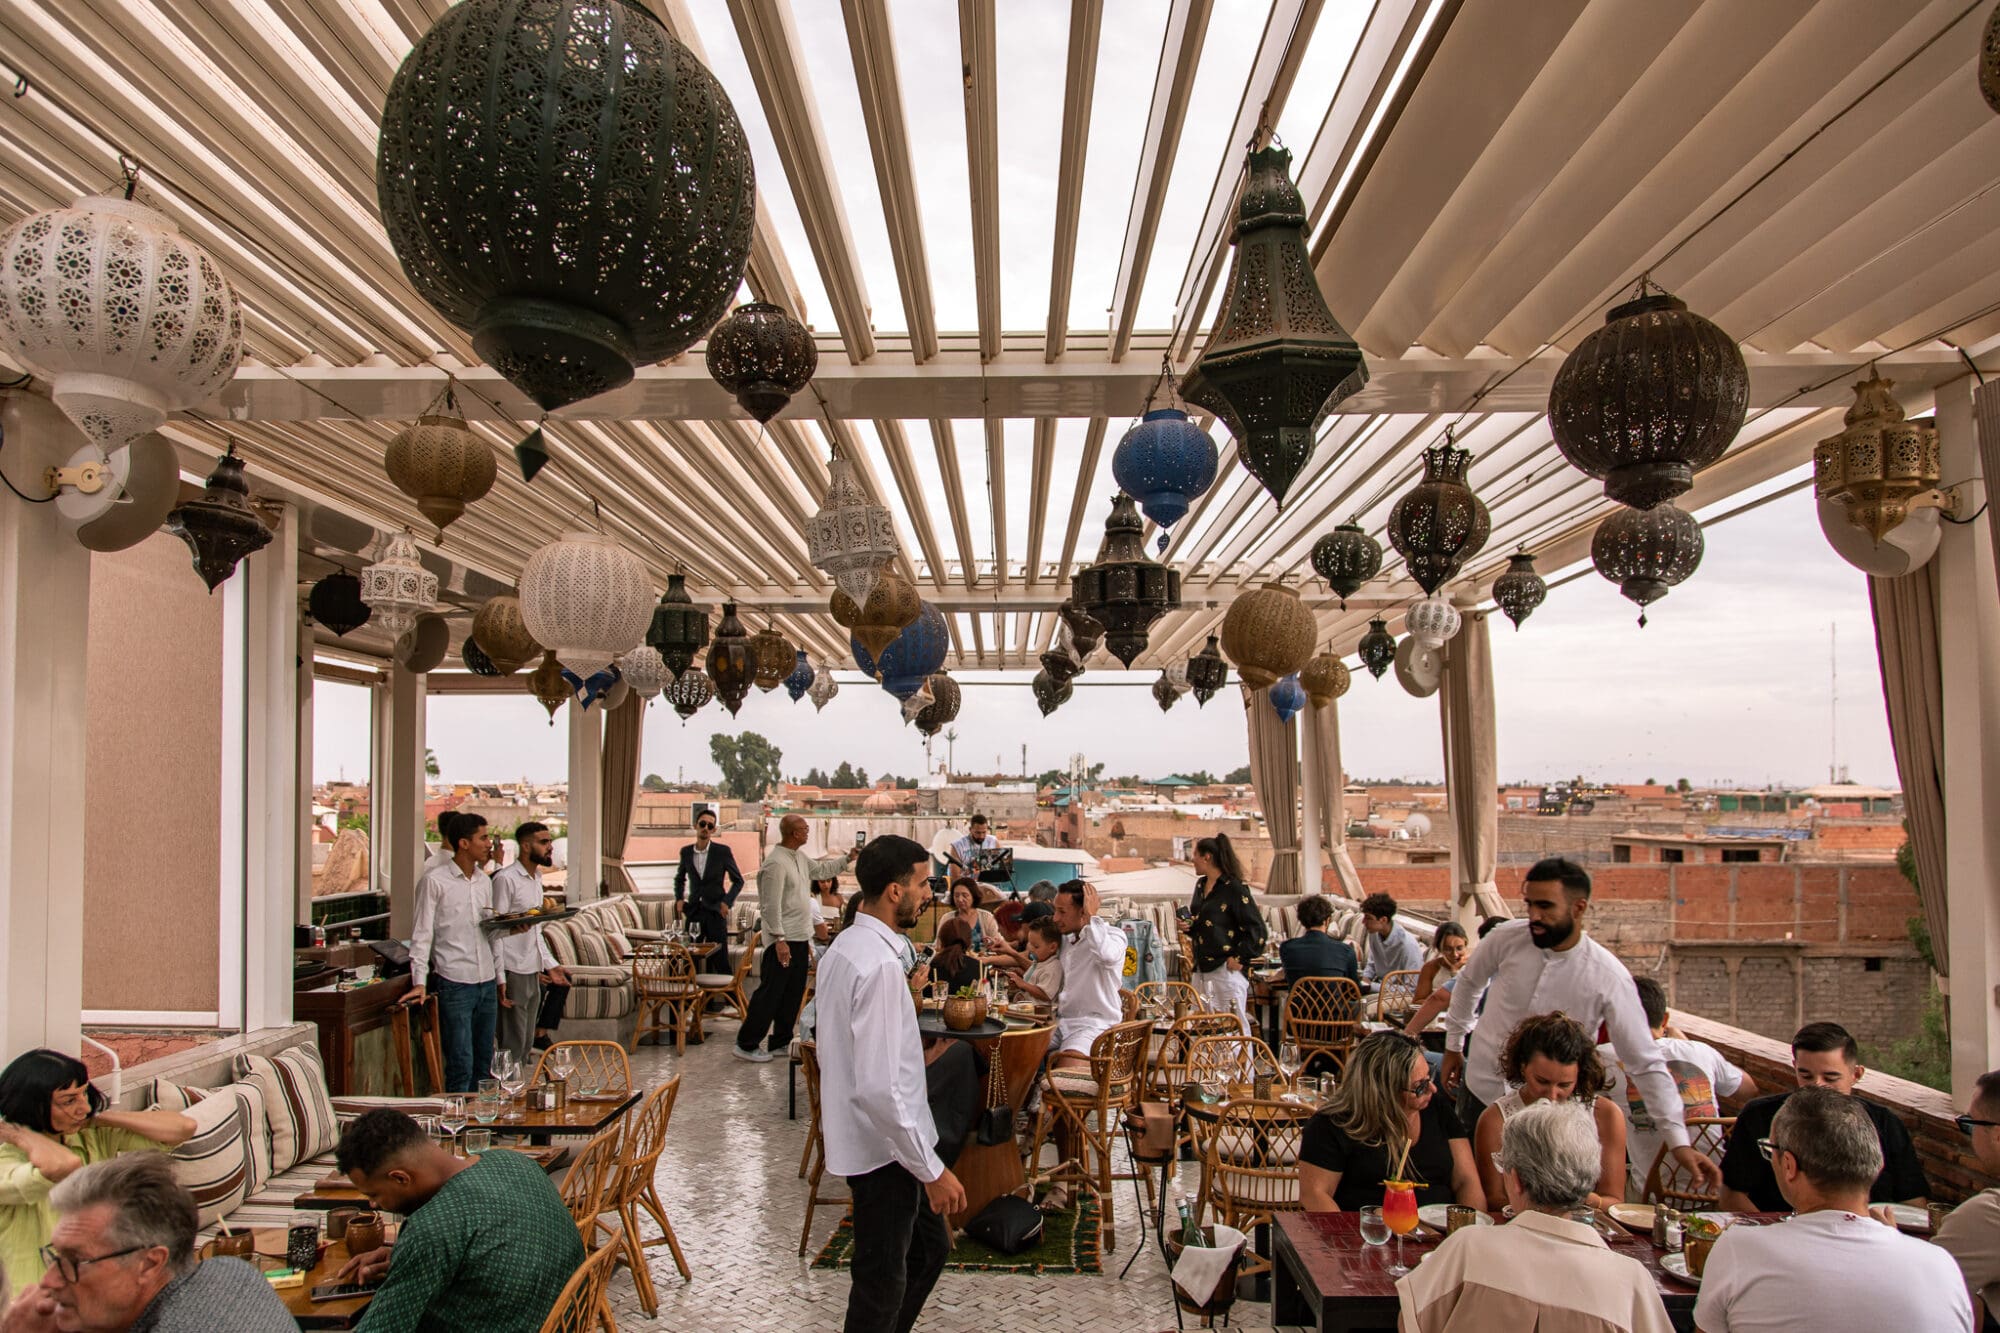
pixel 998 218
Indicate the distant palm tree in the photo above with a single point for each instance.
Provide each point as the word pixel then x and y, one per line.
pixel 430 762
pixel 950 750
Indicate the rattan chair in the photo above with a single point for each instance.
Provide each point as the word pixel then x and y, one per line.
pixel 1250 1171
pixel 1171 1064
pixel 582 1305
pixel 1398 995
pixel 1159 999
pixel 1668 1182
pixel 589 1176
pixel 728 987
pixel 1323 1019
pixel 1090 1104
pixel 632 1188
pixel 601 1065
pixel 665 984
pixel 1128 1005
pixel 815 1146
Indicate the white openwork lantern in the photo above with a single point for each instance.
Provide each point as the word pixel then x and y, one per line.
pixel 824 686
pixel 588 598
pixel 1432 622
pixel 1175 673
pixel 851 537
pixel 645 671
pixel 397 588
pixel 127 318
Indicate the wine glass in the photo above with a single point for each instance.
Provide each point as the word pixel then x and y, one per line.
pixel 561 1065
pixel 503 1064
pixel 453 1118
pixel 1399 1212
pixel 1289 1061
pixel 1374 1230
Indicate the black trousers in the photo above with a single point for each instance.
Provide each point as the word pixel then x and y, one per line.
pixel 900 1247
pixel 781 990
pixel 555 998
pixel 714 930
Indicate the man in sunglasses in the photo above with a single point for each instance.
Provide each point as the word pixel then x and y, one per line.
pixel 1971 1234
pixel 123 1258
pixel 711 868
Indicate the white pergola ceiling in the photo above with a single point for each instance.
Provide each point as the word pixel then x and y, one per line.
pixel 998 218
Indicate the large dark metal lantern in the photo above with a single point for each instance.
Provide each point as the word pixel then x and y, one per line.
pixel 732 663
pixel 1377 648
pixel 1124 590
pixel 565 182
pixel 1207 672
pixel 1346 558
pixel 1277 361
pixel 689 693
pixel 1166 462
pixel 680 628
pixel 335 602
pixel 801 678
pixel 761 355
pixel 943 707
pixel 1647 551
pixel 1439 522
pixel 475 658
pixel 1650 399
pixel 221 526
pixel 1085 631
pixel 1049 695
pixel 1520 589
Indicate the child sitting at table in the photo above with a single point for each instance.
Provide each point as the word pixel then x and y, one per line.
pixel 1043 980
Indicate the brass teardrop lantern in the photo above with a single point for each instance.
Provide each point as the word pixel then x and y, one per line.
pixel 891 608
pixel 732 663
pixel 1325 679
pixel 548 686
pixel 775 657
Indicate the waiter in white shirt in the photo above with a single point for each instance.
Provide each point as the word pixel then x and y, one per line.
pixel 1093 963
pixel 451 953
pixel 1547 963
pixel 785 896
pixel 875 1117
pixel 524 959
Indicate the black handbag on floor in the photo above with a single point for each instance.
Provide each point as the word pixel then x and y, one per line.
pixel 1010 1224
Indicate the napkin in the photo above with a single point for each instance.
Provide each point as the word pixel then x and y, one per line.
pixel 1198 1269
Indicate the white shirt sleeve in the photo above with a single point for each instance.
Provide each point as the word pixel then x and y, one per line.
pixel 1645 1067
pixel 906 1131
pixel 423 926
pixel 1473 979
pixel 1725 1077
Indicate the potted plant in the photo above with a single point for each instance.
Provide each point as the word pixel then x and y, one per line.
pixel 965 1009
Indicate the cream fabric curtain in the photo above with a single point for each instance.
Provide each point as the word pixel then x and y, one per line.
pixel 624 734
pixel 1274 772
pixel 1322 736
pixel 1906 641
pixel 1471 769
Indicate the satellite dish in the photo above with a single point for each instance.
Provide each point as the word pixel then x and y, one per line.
pixel 1419 825
pixel 424 644
pixel 131 490
pixel 1907 546
pixel 1418 668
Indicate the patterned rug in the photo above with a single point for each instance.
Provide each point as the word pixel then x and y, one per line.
pixel 1069 1244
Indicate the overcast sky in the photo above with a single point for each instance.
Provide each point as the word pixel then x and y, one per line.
pixel 1728 683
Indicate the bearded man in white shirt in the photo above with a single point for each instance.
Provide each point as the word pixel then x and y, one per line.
pixel 785 896
pixel 524 959
pixel 875 1116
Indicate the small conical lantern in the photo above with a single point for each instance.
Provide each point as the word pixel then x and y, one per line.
pixel 644 671
pixel 1287 697
pixel 775 658
pixel 1268 634
pixel 335 602
pixel 440 464
pixel 1325 679
pixel 397 587
pixel 1277 361
pixel 824 686
pixel 1049 696
pixel 802 677
pixel 1520 590
pixel 222 526
pixel 890 609
pixel 548 686
pixel 1207 672
pixel 1377 648
pixel 680 628
pixel 689 693
pixel 1647 551
pixel 1346 558
pixel 1164 693
pixel 762 356
pixel 1125 590
pixel 851 537
pixel 1439 523
pixel 503 634
pixel 732 663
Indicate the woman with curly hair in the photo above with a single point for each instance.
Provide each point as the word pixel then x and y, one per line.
pixel 1549 1057
pixel 1385 1105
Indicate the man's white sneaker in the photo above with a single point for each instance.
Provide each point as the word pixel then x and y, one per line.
pixel 758 1056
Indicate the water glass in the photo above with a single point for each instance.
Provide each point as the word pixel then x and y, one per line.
pixel 486 1108
pixel 489 1087
pixel 1374 1230
pixel 478 1142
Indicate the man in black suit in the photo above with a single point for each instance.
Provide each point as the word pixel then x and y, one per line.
pixel 708 863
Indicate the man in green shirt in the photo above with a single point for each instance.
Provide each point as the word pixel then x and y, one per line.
pixel 488 1243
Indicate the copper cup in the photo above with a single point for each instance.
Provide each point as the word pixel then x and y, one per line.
pixel 364 1233
pixel 337 1220
pixel 1458 1216
pixel 241 1244
pixel 1696 1249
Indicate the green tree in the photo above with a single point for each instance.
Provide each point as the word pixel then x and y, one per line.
pixel 653 782
pixel 749 764
pixel 1201 777
pixel 1683 785
pixel 815 777
pixel 1237 774
pixel 848 776
pixel 430 763
pixel 352 821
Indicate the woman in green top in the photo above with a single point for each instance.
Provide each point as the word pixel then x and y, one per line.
pixel 53 1121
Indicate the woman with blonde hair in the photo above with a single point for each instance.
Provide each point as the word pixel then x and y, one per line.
pixel 1226 929
pixel 1549 1057
pixel 1386 1107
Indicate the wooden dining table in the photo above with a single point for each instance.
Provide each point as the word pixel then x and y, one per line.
pixel 581 1115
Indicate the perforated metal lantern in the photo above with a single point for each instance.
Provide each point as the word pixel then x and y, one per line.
pixel 1268 633
pixel 824 686
pixel 1879 463
pixel 1520 589
pixel 1346 558
pixel 915 654
pixel 588 598
pixel 1060 660
pixel 1049 695
pixel 851 537
pixel 762 356
pixel 732 663
pixel 680 628
pixel 335 602
pixel 645 671
pixel 1085 630
pixel 1989 60
pixel 1277 361
pixel 504 634
pixel 1164 693
pixel 1377 648
pixel 565 182
pixel 1325 679
pixel 942 710
pixel 689 693
pixel 1287 697
pixel 1165 462
pixel 917 702
pixel 441 465
pixel 1649 400
pixel 1432 622
pixel 802 677
pixel 546 683
pixel 1439 522
pixel 1647 551
pixel 1207 672
pixel 1123 589
pixel 221 526
pixel 397 587
pixel 890 609
pixel 475 658
pixel 775 658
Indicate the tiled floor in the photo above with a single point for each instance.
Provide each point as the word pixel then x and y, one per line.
pixel 729 1176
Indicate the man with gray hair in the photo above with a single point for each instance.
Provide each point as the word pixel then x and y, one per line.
pixel 1541 1270
pixel 1830 1267
pixel 122 1260
pixel 785 897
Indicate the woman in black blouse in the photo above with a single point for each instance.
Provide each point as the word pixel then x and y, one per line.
pixel 1386 1099
pixel 1226 929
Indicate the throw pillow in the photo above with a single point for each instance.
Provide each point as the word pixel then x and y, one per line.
pixel 214 1165
pixel 256 1123
pixel 295 1101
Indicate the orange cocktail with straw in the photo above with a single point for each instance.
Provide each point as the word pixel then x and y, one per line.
pixel 1399 1210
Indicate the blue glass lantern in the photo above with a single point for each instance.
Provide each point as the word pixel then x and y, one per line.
pixel 588 692
pixel 917 652
pixel 1166 462
pixel 1287 698
pixel 801 678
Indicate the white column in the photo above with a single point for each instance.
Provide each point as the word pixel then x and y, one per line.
pixel 380 816
pixel 44 641
pixel 586 801
pixel 303 751
pixel 1311 858
pixel 273 800
pixel 403 841
pixel 1969 646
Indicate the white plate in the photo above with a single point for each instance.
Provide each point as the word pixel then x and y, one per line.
pixel 1676 1265
pixel 1638 1216
pixel 1432 1215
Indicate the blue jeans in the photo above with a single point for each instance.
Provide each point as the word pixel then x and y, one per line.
pixel 466 1016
